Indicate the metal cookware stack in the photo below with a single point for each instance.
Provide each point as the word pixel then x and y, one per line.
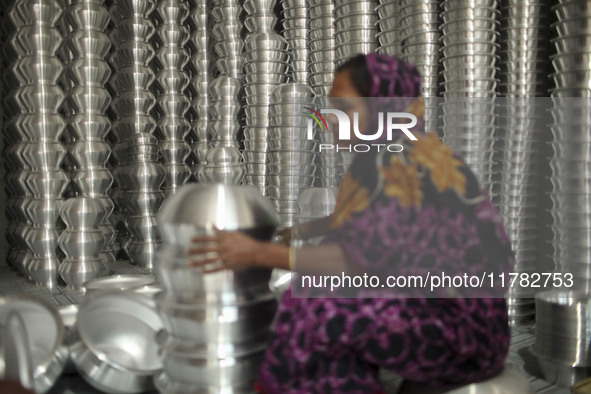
pixel 321 40
pixel 144 174
pixel 420 45
pixel 260 15
pixel 139 175
pixel 266 66
pixel 86 242
pixel 469 61
pixel 291 148
pixel 571 161
pixel 224 125
pixel 295 31
pixel 389 25
pixel 223 165
pixel 522 136
pixel 171 81
pixel 36 182
pixel 201 67
pixel 563 335
pixel 355 28
pixel 216 324
pixel 227 33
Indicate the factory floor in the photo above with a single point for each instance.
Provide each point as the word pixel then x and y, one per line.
pixel 11 283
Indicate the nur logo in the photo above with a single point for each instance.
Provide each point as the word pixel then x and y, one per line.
pixel 387 122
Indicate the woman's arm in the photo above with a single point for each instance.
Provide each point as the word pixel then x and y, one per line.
pixel 233 250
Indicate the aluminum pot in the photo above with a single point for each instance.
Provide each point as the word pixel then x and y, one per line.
pixel 45 335
pixel 117 351
pixel 207 323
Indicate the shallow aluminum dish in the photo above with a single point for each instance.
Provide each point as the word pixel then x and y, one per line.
pixel 117 352
pixel 45 334
pixel 118 282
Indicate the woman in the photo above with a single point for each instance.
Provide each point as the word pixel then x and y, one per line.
pixel 395 213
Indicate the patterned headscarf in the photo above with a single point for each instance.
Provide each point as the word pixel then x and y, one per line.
pixel 395 87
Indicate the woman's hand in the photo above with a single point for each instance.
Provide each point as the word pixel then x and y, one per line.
pixel 225 250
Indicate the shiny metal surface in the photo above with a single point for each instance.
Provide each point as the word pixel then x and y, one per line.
pixel 45 333
pixel 243 208
pixel 16 362
pixel 117 351
pixel 118 282
pixel 207 323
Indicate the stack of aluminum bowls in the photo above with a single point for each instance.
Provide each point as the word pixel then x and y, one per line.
pixel 82 241
pixel 223 113
pixel 295 31
pixel 144 176
pixel 292 149
pixel 216 324
pixel 571 162
pixel 171 81
pixel 259 15
pixel 389 24
pixel 355 28
pixel 35 181
pixel 563 335
pixel 266 66
pixel 86 242
pixel 227 32
pixel 420 37
pixel 329 170
pixel 321 58
pixel 201 67
pixel 223 165
pixel 521 141
pixel 469 59
pixel 133 100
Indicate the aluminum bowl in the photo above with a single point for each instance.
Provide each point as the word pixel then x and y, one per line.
pixel 117 351
pixel 254 156
pixel 255 133
pixel 264 67
pixel 45 335
pixel 207 323
pixel 285 144
pixel 265 40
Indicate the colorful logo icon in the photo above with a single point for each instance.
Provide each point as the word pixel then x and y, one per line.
pixel 315 115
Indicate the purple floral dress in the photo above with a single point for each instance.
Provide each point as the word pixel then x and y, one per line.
pixel 399 213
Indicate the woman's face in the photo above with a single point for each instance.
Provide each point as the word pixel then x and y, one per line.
pixel 345 97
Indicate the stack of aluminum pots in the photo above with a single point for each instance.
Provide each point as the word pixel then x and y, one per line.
pixel 321 58
pixel 355 28
pixel 521 143
pixel 137 165
pixel 469 60
pixel 266 66
pixel 227 32
pixel 329 168
pixel 201 67
pixel 171 81
pixel 571 161
pixel 316 203
pixel 420 35
pixel 292 149
pixel 295 31
pixel 36 182
pixel 223 165
pixel 144 175
pixel 223 113
pixel 87 73
pixel 216 324
pixel 259 15
pixel 563 334
pixel 389 25
pixel 82 241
